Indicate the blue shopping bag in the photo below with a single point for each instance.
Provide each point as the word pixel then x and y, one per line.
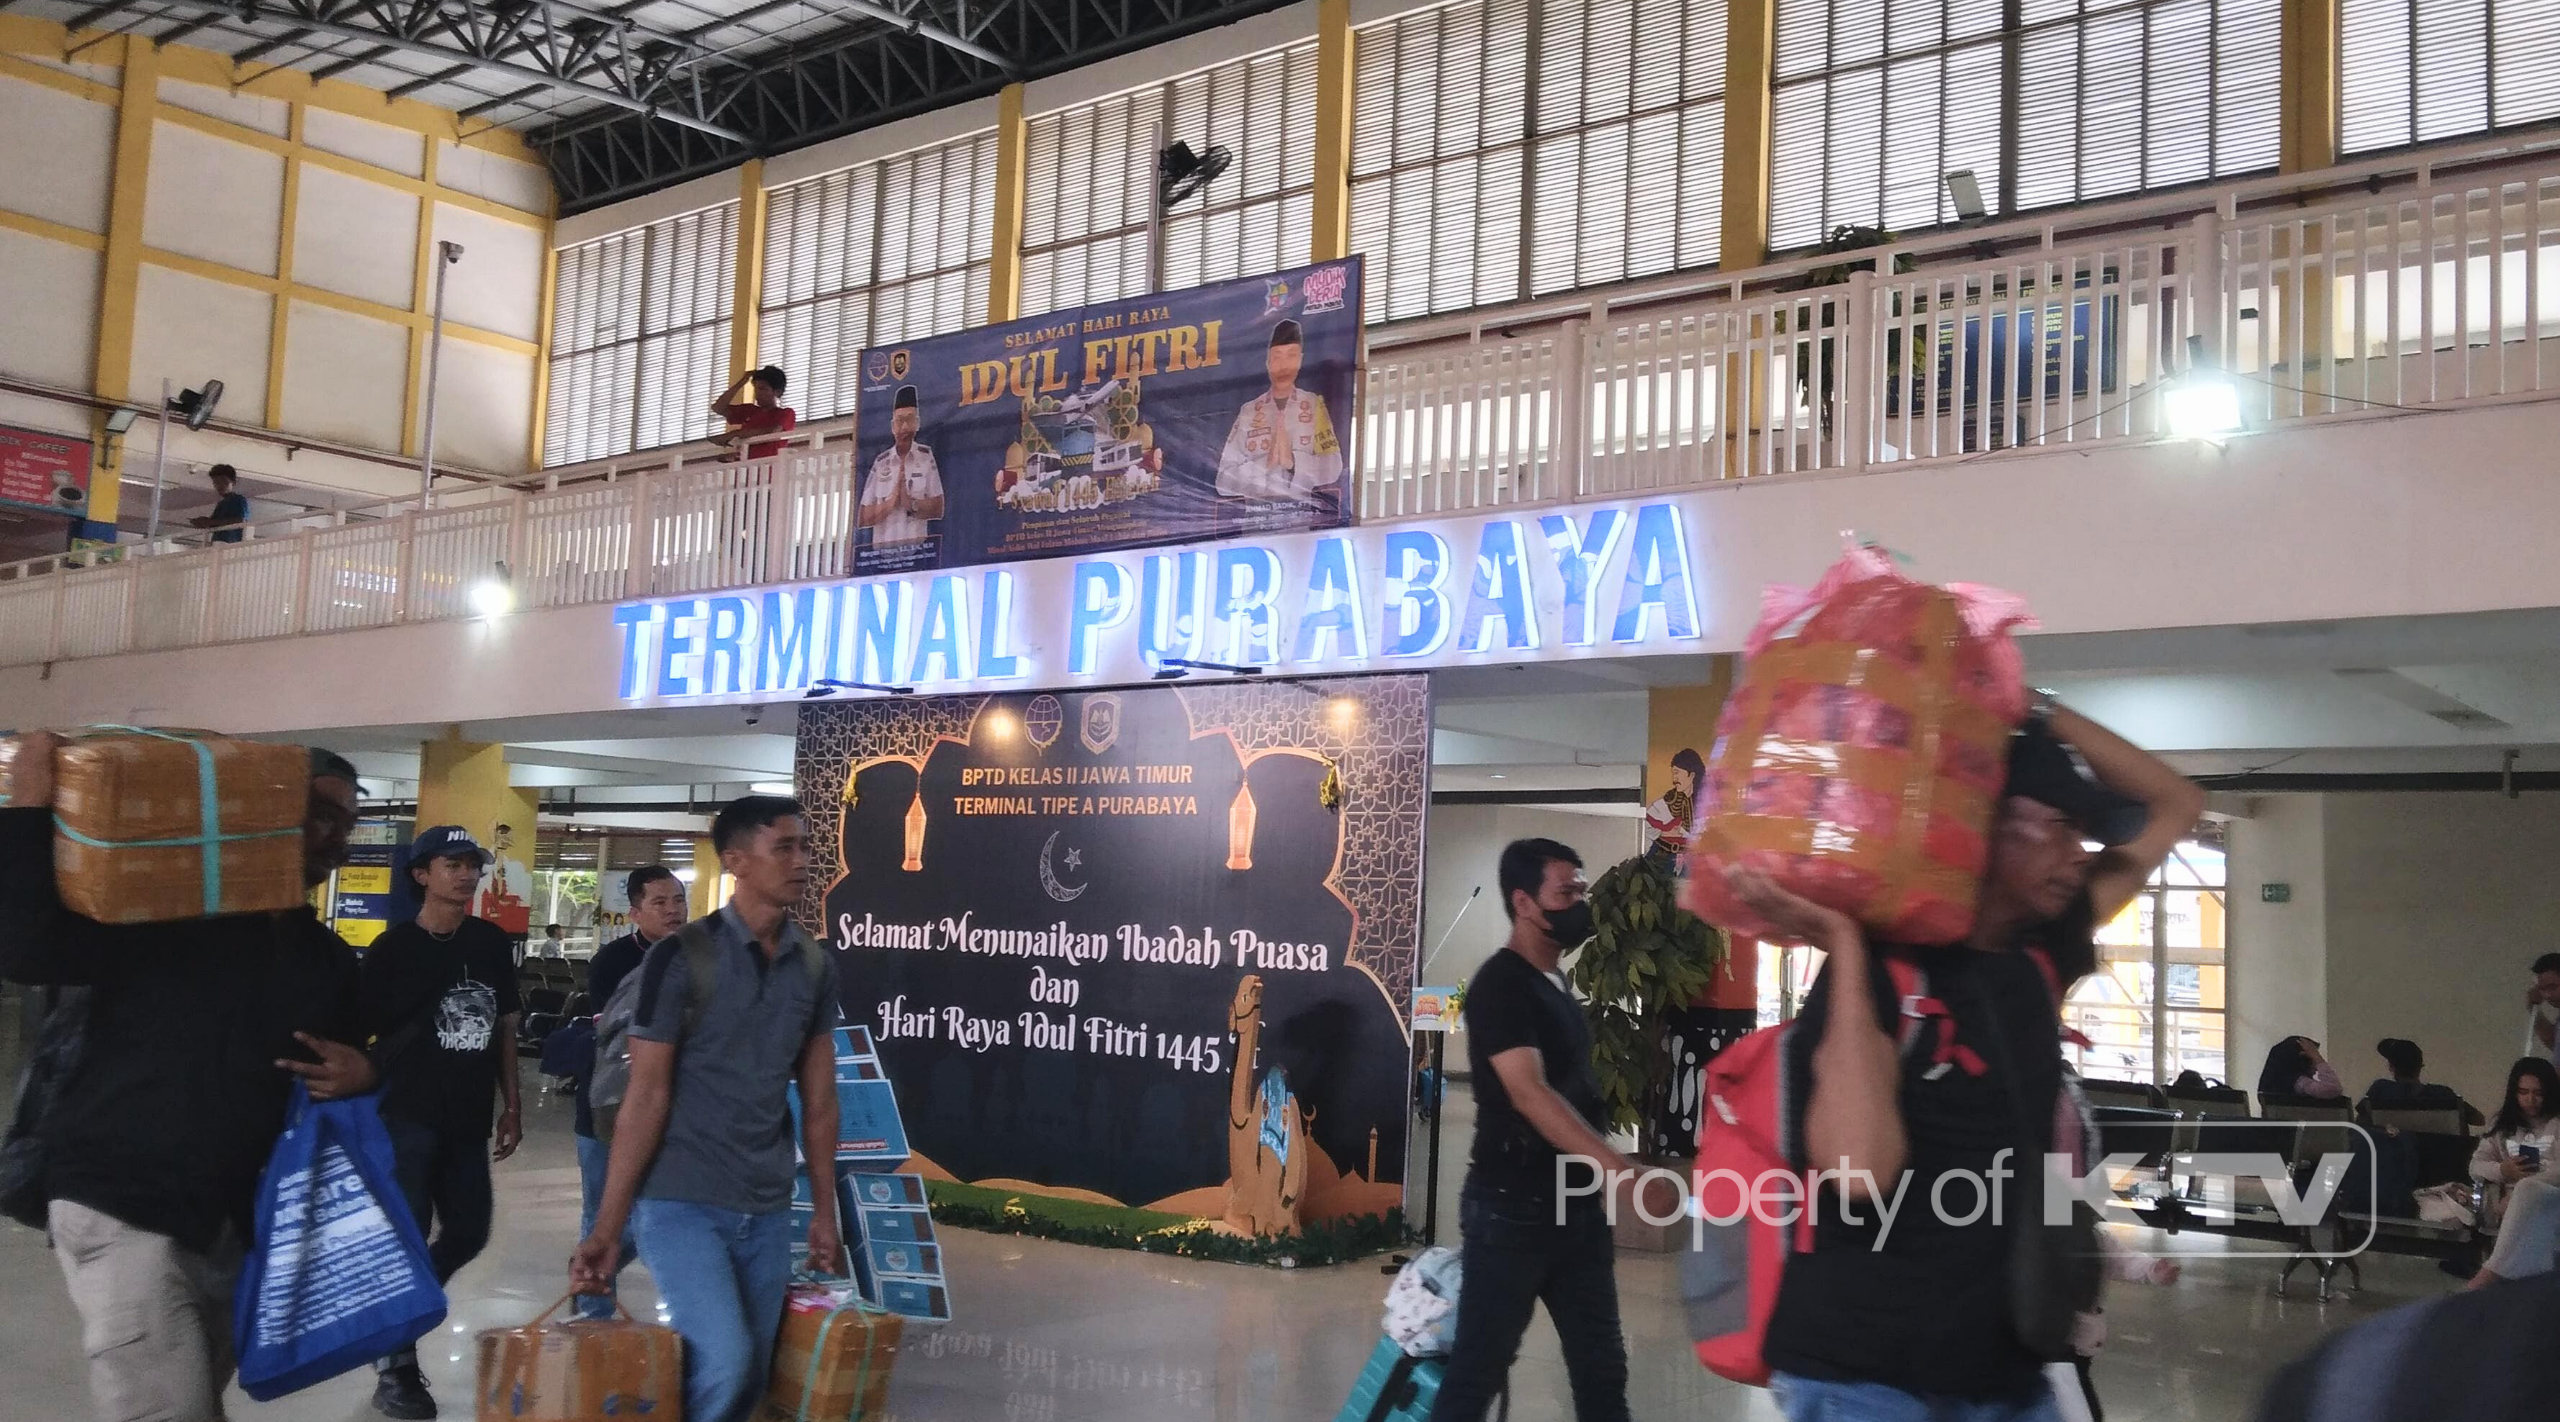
pixel 337 1274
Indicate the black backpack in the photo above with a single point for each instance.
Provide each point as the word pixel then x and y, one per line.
pixel 59 1044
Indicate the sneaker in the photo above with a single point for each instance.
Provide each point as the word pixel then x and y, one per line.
pixel 401 1392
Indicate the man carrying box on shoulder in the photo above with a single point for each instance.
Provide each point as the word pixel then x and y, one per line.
pixel 732 1010
pixel 152 1147
pixel 1903 1308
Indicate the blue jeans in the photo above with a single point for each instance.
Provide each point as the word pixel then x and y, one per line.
pixel 722 1276
pixel 1809 1400
pixel 592 1154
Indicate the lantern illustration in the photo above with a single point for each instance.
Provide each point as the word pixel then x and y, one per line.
pixel 1240 817
pixel 915 832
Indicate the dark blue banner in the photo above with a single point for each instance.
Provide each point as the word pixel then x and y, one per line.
pixel 1169 418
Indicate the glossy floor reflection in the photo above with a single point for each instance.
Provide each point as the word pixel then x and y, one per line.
pixel 1056 1333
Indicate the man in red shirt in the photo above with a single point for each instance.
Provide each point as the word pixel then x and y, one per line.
pixel 764 415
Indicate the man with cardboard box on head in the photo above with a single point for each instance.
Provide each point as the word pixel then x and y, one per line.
pixel 440 1004
pixel 151 1148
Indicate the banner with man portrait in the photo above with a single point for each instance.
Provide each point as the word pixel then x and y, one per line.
pixel 1146 947
pixel 1173 417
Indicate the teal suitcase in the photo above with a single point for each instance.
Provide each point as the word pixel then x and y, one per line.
pixel 1393 1387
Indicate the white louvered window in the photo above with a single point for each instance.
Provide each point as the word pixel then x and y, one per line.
pixel 1876 101
pixel 2414 71
pixel 1626 171
pixel 640 336
pixel 1089 180
pixel 891 250
pixel 1439 155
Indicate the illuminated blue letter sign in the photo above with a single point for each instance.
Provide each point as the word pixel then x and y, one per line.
pixel 996 659
pixel 681 640
pixel 1173 591
pixel 1248 583
pixel 942 647
pixel 878 625
pixel 1098 601
pixel 1416 616
pixel 1657 576
pixel 1500 590
pixel 1331 622
pixel 1580 557
pixel 730 628
pixel 783 638
pixel 636 621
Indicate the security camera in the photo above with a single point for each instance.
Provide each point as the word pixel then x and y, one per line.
pixel 452 251
pixel 754 714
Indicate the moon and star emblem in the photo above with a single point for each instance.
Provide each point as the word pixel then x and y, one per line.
pixel 1049 881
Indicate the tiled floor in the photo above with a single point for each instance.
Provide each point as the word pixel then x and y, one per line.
pixel 1055 1333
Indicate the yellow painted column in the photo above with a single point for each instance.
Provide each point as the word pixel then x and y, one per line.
pixel 1680 724
pixel 421 302
pixel 703 896
pixel 535 428
pixel 2308 142
pixel 1004 263
pixel 1750 66
pixel 1335 71
pixel 747 287
pixel 276 333
pixel 465 783
pixel 120 271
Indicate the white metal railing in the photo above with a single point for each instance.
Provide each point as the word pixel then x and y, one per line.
pixel 2415 284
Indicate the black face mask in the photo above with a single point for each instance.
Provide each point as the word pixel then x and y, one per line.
pixel 1569 927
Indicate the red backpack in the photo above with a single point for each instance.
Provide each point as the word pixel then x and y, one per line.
pixel 1729 1281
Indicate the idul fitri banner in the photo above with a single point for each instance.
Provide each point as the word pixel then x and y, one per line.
pixel 1184 415
pixel 1142 947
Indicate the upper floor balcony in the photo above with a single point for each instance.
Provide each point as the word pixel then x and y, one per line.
pixel 2288 313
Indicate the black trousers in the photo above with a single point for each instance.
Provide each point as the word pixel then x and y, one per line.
pixel 445 1178
pixel 1515 1254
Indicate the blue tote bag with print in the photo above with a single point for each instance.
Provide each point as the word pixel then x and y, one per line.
pixel 337 1274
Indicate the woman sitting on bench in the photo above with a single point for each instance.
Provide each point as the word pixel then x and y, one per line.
pixel 2519 1160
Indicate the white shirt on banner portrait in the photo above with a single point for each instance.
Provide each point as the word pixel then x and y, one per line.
pixel 921 477
pixel 1280 448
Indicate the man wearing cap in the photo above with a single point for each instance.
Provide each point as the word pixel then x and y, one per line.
pixel 152 1148
pixel 1282 446
pixel 440 1004
pixel 1918 1317
pixel 904 490
pixel 758 421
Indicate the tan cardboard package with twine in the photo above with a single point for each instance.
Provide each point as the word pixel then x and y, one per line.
pixel 159 826
pixel 581 1371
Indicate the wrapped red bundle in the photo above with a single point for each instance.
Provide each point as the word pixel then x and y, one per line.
pixel 1860 756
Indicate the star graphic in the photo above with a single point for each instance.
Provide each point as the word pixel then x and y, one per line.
pixel 1075 858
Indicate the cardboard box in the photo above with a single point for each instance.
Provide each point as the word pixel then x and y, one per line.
pixel 581 1371
pixel 134 842
pixel 833 1358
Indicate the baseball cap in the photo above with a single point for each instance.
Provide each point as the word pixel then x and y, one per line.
pixel 446 842
pixel 2043 768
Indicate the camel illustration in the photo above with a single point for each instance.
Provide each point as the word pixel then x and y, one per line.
pixel 1267 1146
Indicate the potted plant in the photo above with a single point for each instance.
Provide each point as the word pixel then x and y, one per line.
pixel 1648 958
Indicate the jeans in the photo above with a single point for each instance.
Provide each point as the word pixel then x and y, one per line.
pixel 445 1179
pixel 722 1276
pixel 1516 1256
pixel 592 1155
pixel 1810 1400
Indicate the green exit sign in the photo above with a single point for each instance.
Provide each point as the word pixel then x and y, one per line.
pixel 2276 893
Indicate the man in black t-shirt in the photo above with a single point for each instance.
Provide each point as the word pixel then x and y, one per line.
pixel 230 507
pixel 1903 1306
pixel 439 1000
pixel 1526 1238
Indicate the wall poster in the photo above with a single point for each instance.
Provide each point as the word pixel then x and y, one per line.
pixel 1174 417
pixel 1148 947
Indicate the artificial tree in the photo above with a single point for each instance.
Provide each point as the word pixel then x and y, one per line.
pixel 1647 959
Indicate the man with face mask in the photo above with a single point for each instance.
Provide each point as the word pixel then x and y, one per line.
pixel 1526 1240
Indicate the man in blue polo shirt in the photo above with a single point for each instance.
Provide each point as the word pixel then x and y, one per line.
pixel 732 1010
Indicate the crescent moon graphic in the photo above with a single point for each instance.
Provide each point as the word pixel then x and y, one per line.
pixel 1049 876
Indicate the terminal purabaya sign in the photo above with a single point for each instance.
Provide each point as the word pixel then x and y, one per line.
pixel 1568 581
